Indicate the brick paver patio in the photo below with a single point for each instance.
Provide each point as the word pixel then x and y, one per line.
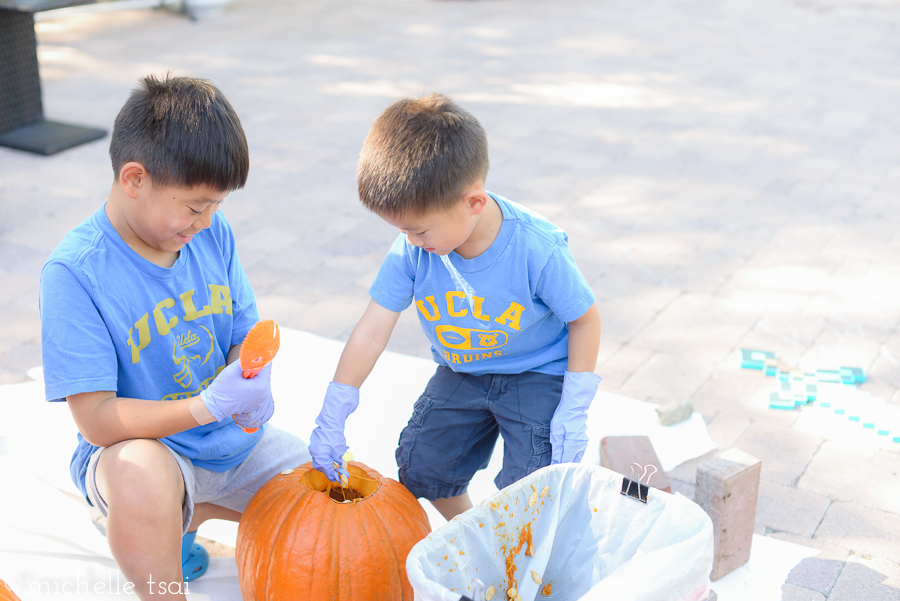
pixel 727 172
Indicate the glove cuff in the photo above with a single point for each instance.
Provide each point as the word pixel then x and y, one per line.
pixel 579 389
pixel 346 398
pixel 211 406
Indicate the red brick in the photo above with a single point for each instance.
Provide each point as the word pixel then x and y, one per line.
pixel 618 453
pixel 727 489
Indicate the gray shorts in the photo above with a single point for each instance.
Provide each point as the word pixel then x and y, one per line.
pixel 276 450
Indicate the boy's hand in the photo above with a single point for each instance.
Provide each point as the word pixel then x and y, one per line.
pixel 568 428
pixel 258 416
pixel 230 393
pixel 327 443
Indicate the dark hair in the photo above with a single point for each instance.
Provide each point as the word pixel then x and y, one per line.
pixel 420 156
pixel 184 132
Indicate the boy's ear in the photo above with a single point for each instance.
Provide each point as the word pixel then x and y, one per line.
pixel 476 199
pixel 133 177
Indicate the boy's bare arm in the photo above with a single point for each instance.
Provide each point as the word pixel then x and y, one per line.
pixel 584 341
pixel 105 419
pixel 366 344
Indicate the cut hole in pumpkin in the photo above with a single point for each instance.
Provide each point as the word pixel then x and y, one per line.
pixel 360 486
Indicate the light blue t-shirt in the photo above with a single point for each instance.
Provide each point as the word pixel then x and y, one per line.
pixel 111 320
pixel 506 311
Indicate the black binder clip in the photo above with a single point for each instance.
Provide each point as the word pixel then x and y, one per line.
pixel 635 488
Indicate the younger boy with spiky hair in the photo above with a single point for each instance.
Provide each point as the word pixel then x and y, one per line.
pixel 512 322
pixel 143 309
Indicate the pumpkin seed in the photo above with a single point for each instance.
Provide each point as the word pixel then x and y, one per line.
pixel 489 594
pixel 344 481
pixel 512 593
pixel 536 578
pixel 545 491
pixel 532 499
pixel 287 472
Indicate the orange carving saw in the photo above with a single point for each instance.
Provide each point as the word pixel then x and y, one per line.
pixel 259 347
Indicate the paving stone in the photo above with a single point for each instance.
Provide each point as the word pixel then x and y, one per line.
pixel 617 369
pixel 743 392
pixel 818 573
pixel 845 472
pixel 674 329
pixel 686 473
pixel 785 453
pixel 869 579
pixel 860 529
pixel 685 489
pixel 726 428
pixel 787 509
pixel 790 592
pixel 666 377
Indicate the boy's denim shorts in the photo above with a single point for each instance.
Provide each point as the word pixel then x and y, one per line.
pixel 455 424
pixel 276 450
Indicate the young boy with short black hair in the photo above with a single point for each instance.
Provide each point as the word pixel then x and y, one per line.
pixel 511 321
pixel 143 308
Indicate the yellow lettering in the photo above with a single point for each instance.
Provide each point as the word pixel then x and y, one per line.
pixel 511 315
pixel 476 312
pixel 455 358
pixel 143 329
pixel 190 312
pixel 497 353
pixel 451 310
pixel 485 356
pixel 220 298
pixel 163 325
pixel 467 358
pixel 429 316
pixel 447 356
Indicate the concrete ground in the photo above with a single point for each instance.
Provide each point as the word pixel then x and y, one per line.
pixel 726 170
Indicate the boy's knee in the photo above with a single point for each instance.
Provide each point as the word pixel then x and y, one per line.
pixel 139 471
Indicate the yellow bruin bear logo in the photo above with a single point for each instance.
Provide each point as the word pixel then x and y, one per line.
pixel 466 339
pixel 482 342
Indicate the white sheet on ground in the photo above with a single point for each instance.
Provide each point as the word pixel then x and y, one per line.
pixel 47 541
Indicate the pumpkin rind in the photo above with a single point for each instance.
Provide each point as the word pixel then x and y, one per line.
pixel 295 542
pixel 6 593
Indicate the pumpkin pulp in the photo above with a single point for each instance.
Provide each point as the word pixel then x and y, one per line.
pixel 360 486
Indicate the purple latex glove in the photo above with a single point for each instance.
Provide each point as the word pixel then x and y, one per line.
pixel 327 443
pixel 257 417
pixel 230 393
pixel 568 428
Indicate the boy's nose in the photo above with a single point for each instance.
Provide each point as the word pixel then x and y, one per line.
pixel 411 238
pixel 204 220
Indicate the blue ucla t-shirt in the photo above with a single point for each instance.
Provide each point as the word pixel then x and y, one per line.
pixel 505 311
pixel 111 320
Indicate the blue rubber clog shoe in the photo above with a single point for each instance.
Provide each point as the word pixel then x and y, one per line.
pixel 194 557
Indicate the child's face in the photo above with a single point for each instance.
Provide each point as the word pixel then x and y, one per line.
pixel 441 232
pixel 166 218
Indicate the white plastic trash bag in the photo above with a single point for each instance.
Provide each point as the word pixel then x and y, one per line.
pixel 567 532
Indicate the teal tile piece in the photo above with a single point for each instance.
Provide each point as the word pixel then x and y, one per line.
pixel 828 375
pixel 752 359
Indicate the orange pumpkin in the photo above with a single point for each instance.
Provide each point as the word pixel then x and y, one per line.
pixel 6 593
pixel 298 539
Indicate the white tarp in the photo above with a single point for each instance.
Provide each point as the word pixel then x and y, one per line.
pixel 50 548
